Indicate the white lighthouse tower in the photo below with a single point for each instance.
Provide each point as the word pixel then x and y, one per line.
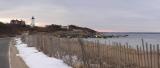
pixel 33 21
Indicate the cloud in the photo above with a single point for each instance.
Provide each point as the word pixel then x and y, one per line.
pixel 44 13
pixel 109 15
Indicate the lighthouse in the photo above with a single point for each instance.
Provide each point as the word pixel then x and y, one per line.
pixel 32 21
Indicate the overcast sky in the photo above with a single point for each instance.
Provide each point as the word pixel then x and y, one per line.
pixel 101 15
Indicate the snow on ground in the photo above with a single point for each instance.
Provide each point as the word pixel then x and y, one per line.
pixel 35 59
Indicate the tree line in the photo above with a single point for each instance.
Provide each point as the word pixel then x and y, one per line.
pixel 16 27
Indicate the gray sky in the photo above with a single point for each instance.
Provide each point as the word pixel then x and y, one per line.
pixel 101 15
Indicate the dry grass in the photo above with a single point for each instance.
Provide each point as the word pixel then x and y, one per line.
pixel 84 54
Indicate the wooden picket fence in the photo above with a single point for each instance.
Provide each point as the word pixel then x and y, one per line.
pixel 80 53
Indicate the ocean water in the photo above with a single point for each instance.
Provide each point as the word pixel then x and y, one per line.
pixel 133 38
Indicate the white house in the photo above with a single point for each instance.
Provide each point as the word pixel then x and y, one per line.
pixel 65 27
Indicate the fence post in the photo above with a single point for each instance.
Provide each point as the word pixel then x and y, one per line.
pixel 147 58
pixel 128 54
pixel 158 55
pixel 154 55
pixel 144 53
pixel 83 52
pixel 151 54
pixel 99 54
pixel 138 56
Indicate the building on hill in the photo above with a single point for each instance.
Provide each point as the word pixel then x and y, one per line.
pixel 18 22
pixel 65 27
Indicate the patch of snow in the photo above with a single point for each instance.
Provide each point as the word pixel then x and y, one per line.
pixel 35 59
